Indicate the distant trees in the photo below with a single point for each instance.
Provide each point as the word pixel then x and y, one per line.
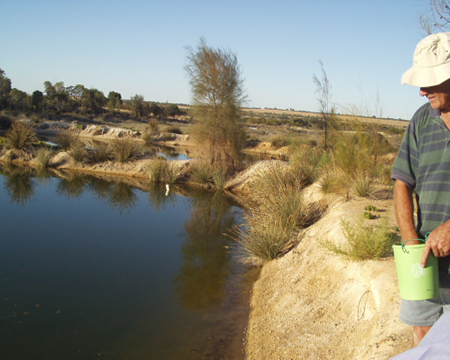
pixel 137 105
pixel 92 100
pixel 218 95
pixel 19 100
pixel 59 99
pixel 114 100
pixel 5 88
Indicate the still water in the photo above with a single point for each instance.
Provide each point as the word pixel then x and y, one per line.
pixel 96 269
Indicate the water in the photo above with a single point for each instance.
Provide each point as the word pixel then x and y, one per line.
pixel 95 269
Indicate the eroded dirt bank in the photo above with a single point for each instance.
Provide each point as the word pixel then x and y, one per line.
pixel 312 304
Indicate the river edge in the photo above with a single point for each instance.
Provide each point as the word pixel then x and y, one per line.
pixel 344 310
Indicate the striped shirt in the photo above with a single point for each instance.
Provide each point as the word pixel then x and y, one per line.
pixel 423 164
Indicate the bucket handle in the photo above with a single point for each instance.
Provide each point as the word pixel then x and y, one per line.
pixel 404 246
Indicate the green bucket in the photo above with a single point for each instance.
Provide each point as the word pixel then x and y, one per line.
pixel 415 282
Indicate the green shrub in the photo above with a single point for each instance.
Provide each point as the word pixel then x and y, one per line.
pixel 364 242
pixel 371 208
pixel 20 135
pixel 368 215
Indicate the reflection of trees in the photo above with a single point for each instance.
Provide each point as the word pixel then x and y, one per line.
pixel 122 196
pixel 19 184
pixel 206 259
pixel 116 194
pixel 72 186
pixel 158 197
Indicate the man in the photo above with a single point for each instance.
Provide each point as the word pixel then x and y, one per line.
pixel 423 167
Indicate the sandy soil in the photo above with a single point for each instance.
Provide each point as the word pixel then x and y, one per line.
pixel 311 304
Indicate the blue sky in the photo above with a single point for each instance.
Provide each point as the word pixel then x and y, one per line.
pixel 139 47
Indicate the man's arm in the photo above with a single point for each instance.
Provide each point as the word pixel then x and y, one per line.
pixel 404 211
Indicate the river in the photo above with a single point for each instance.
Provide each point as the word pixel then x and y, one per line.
pixel 93 268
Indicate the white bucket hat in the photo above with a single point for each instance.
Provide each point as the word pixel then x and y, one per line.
pixel 431 62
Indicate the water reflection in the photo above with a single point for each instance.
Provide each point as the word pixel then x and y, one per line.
pixel 125 286
pixel 206 265
pixel 72 185
pixel 158 196
pixel 19 184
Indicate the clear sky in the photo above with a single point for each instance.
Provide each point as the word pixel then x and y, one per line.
pixel 139 47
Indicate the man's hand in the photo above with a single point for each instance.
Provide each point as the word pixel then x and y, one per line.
pixel 439 242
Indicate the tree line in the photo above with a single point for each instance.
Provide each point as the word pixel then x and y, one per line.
pixel 60 99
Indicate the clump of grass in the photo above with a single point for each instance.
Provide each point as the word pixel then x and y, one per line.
pixel 43 157
pixel 278 141
pixel 21 135
pixel 202 173
pixel 368 215
pixel 153 125
pixel 102 152
pixel 78 152
pixel 124 150
pixel 371 208
pixel 162 171
pixel 363 242
pixel 68 139
pixel 261 240
pixel 363 186
pixel 281 213
pixel 308 161
pixel 219 177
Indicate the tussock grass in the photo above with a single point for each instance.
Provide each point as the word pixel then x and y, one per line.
pixel 43 157
pixel 68 139
pixel 102 152
pixel 21 135
pixel 282 212
pixel 162 171
pixel 364 186
pixel 124 149
pixel 78 152
pixel 363 242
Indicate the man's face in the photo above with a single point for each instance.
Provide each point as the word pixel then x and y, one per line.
pixel 439 95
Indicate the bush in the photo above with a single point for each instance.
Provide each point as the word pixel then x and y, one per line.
pixel 5 122
pixel 20 136
pixel 102 152
pixel 278 141
pixel 363 186
pixel 78 152
pixel 263 241
pixel 202 173
pixel 364 242
pixel 68 139
pixel 153 125
pixel 43 157
pixel 162 171
pixel 124 149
